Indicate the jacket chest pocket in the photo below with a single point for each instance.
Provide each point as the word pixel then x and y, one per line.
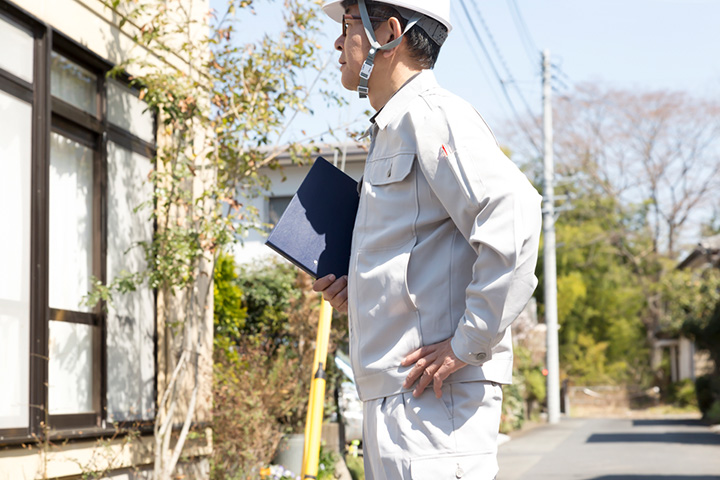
pixel 390 202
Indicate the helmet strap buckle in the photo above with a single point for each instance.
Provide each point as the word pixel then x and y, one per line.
pixel 367 68
pixel 365 72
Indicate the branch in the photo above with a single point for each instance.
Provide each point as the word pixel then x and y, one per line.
pixel 163 428
pixel 188 419
pixel 309 91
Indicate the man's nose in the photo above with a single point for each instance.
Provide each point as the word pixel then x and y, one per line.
pixel 339 43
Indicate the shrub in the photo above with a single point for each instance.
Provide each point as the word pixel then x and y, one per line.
pixel 513 409
pixel 326 464
pixel 713 413
pixel 229 313
pixel 269 293
pixel 707 389
pixel 682 393
pixel 254 396
pixel 703 393
pixel 263 363
pixel 535 385
pixel 356 467
pixel 532 384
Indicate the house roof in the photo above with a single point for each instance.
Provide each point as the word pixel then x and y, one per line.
pixel 333 152
pixel 707 253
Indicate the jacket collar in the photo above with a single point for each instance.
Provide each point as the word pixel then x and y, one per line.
pixel 397 105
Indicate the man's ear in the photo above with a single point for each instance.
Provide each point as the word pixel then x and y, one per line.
pixel 393 30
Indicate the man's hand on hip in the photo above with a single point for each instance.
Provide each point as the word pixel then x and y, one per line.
pixel 334 291
pixel 433 363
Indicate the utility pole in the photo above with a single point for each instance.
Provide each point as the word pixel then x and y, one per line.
pixel 550 271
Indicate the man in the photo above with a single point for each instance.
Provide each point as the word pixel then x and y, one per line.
pixel 443 256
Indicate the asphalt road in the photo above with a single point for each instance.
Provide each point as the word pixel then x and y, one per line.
pixel 613 449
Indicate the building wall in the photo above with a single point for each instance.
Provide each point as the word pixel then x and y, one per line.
pixel 126 348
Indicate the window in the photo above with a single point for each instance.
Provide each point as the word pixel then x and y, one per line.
pixel 16 77
pixel 19 59
pixel 73 84
pixel 75 152
pixel 131 318
pixel 276 207
pixel 15 147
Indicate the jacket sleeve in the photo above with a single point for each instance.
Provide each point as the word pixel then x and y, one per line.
pixel 496 209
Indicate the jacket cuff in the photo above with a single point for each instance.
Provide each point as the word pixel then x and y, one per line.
pixel 467 350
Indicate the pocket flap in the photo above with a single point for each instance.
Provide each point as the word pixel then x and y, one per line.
pixel 389 170
pixel 470 466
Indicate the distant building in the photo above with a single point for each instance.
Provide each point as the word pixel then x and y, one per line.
pixel 705 255
pixel 685 360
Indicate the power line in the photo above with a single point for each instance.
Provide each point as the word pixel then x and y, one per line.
pixel 526 38
pixel 502 82
pixel 560 76
pixel 494 44
pixel 483 70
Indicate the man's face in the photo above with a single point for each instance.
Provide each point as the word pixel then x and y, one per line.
pixel 353 47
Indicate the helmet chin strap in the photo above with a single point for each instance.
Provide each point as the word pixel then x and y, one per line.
pixel 367 67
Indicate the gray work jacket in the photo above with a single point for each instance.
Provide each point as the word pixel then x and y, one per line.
pixel 445 242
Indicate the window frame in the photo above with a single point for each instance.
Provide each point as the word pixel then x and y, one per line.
pixel 269 220
pixel 53 115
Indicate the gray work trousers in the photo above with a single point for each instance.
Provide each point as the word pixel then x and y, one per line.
pixel 430 438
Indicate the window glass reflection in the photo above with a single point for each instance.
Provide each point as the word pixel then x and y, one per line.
pixel 70 368
pixel 71 227
pixel 17 60
pixel 74 84
pixel 15 151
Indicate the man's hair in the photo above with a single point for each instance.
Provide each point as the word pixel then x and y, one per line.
pixel 421 46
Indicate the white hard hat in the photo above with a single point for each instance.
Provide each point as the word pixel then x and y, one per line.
pixel 426 14
pixel 436 9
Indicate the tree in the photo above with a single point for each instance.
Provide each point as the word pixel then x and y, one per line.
pixel 229 312
pixel 642 172
pixel 222 108
pixel 659 150
pixel 712 226
pixel 600 300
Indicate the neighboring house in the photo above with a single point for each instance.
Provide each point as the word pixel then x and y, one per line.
pixel 75 151
pixel 349 157
pixel 685 360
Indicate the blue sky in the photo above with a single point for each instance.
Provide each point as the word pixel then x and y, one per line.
pixel 640 44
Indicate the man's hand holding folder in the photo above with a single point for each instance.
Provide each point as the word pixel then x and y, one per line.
pixel 334 291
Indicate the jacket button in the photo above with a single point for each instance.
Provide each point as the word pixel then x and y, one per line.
pixel 459 472
pixel 389 172
pixel 481 356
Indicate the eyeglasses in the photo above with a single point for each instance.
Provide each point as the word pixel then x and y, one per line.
pixel 347 16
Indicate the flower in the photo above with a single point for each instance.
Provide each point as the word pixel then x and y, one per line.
pixel 278 472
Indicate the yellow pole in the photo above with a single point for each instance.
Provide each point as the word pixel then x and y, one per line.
pixel 308 425
pixel 313 425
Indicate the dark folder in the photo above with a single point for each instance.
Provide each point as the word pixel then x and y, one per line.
pixel 315 231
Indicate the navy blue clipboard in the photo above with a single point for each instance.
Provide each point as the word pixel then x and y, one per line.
pixel 315 231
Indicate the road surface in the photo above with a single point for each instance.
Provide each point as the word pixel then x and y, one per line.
pixel 613 449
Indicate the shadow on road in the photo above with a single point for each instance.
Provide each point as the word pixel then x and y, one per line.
pixel 657 477
pixel 684 438
pixel 669 422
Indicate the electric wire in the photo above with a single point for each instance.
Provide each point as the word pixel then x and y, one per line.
pixel 484 71
pixel 533 52
pixel 509 75
pixel 560 76
pixel 519 121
